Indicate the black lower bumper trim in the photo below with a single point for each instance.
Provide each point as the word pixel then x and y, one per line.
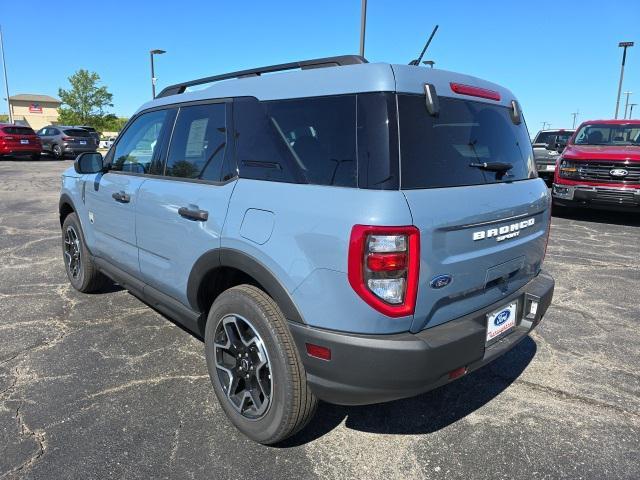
pixel 366 369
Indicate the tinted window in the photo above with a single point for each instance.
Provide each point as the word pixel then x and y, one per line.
pixel 439 151
pixel 545 137
pixel 310 140
pixel 53 131
pixel 198 142
pixel 18 131
pixel 321 135
pixel 138 144
pixel 76 132
pixel 377 141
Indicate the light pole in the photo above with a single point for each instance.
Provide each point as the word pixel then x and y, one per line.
pixel 153 74
pixel 626 104
pixel 624 45
pixel 574 115
pixel 544 125
pixel 363 25
pixel 631 110
pixel 6 82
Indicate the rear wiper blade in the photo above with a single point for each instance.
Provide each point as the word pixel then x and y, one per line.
pixel 493 166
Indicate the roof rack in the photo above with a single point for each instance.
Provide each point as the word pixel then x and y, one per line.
pixel 254 72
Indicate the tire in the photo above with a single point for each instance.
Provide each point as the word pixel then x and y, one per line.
pixel 285 404
pixel 57 152
pixel 559 210
pixel 83 275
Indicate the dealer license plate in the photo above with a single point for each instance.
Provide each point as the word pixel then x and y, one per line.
pixel 501 321
pixel 551 168
pixel 24 142
pixel 83 142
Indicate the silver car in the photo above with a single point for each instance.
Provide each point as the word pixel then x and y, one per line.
pixel 61 141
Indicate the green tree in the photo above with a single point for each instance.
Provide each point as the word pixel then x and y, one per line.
pixel 85 101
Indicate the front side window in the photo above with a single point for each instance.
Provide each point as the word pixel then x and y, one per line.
pixel 446 151
pixel 139 143
pixel 608 134
pixel 198 142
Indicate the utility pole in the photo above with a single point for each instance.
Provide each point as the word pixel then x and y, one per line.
pixel 544 125
pixel 626 104
pixel 631 110
pixel 363 26
pixel 624 45
pixel 574 115
pixel 6 82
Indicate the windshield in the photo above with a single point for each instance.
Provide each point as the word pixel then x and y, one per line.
pixel 608 134
pixel 444 151
pixel 545 137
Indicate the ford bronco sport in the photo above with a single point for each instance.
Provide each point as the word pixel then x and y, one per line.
pixel 600 168
pixel 346 231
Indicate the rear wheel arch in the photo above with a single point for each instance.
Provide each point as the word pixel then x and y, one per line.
pixel 220 269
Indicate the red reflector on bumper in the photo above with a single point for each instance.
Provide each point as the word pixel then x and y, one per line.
pixel 458 372
pixel 323 353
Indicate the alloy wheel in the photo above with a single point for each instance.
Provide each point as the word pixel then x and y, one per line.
pixel 243 366
pixel 72 251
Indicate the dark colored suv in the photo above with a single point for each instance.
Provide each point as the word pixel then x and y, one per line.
pixel 61 141
pixel 547 147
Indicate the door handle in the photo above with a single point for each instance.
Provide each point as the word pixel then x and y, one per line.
pixel 121 197
pixel 193 214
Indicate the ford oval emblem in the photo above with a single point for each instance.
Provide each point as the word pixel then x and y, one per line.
pixel 440 281
pixel 502 317
pixel 618 172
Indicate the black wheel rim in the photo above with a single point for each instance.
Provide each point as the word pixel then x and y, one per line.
pixel 243 366
pixel 72 251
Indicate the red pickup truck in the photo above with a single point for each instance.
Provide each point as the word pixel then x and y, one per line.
pixel 600 167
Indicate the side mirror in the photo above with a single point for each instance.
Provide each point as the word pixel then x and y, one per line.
pixel 89 162
pixel 553 143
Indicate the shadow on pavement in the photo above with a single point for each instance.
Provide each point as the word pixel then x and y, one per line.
pixel 631 219
pixel 426 413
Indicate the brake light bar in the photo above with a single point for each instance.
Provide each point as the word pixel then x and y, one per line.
pixel 383 267
pixel 472 91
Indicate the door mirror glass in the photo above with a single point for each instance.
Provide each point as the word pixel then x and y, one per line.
pixel 89 162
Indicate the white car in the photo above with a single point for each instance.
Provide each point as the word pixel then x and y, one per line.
pixel 106 144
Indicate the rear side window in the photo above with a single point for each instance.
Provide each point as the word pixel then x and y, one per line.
pixel 198 142
pixel 18 131
pixel 438 151
pixel 311 140
pixel 76 132
pixel 545 137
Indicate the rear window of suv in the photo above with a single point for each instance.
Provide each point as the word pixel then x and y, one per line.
pixel 76 132
pixel 437 151
pixel 18 131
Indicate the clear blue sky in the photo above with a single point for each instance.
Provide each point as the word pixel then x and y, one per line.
pixel 556 56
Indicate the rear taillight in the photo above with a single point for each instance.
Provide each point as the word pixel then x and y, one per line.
pixel 9 137
pixel 384 265
pixel 68 139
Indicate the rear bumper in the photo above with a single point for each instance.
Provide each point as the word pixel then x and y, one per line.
pixel 25 150
pixel 615 198
pixel 76 149
pixel 366 369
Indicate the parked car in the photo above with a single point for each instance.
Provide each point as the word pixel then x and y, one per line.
pixel 94 133
pixel 107 142
pixel 61 141
pixel 271 216
pixel 547 147
pixel 600 167
pixel 19 141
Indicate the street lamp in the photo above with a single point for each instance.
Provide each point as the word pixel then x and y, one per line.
pixel 624 45
pixel 626 104
pixel 153 75
pixel 363 25
pixel 6 82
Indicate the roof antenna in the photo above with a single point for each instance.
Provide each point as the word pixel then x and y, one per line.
pixel 419 59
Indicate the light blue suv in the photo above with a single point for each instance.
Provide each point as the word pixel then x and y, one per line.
pixel 342 230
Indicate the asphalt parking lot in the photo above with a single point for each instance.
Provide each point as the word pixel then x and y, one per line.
pixel 101 386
